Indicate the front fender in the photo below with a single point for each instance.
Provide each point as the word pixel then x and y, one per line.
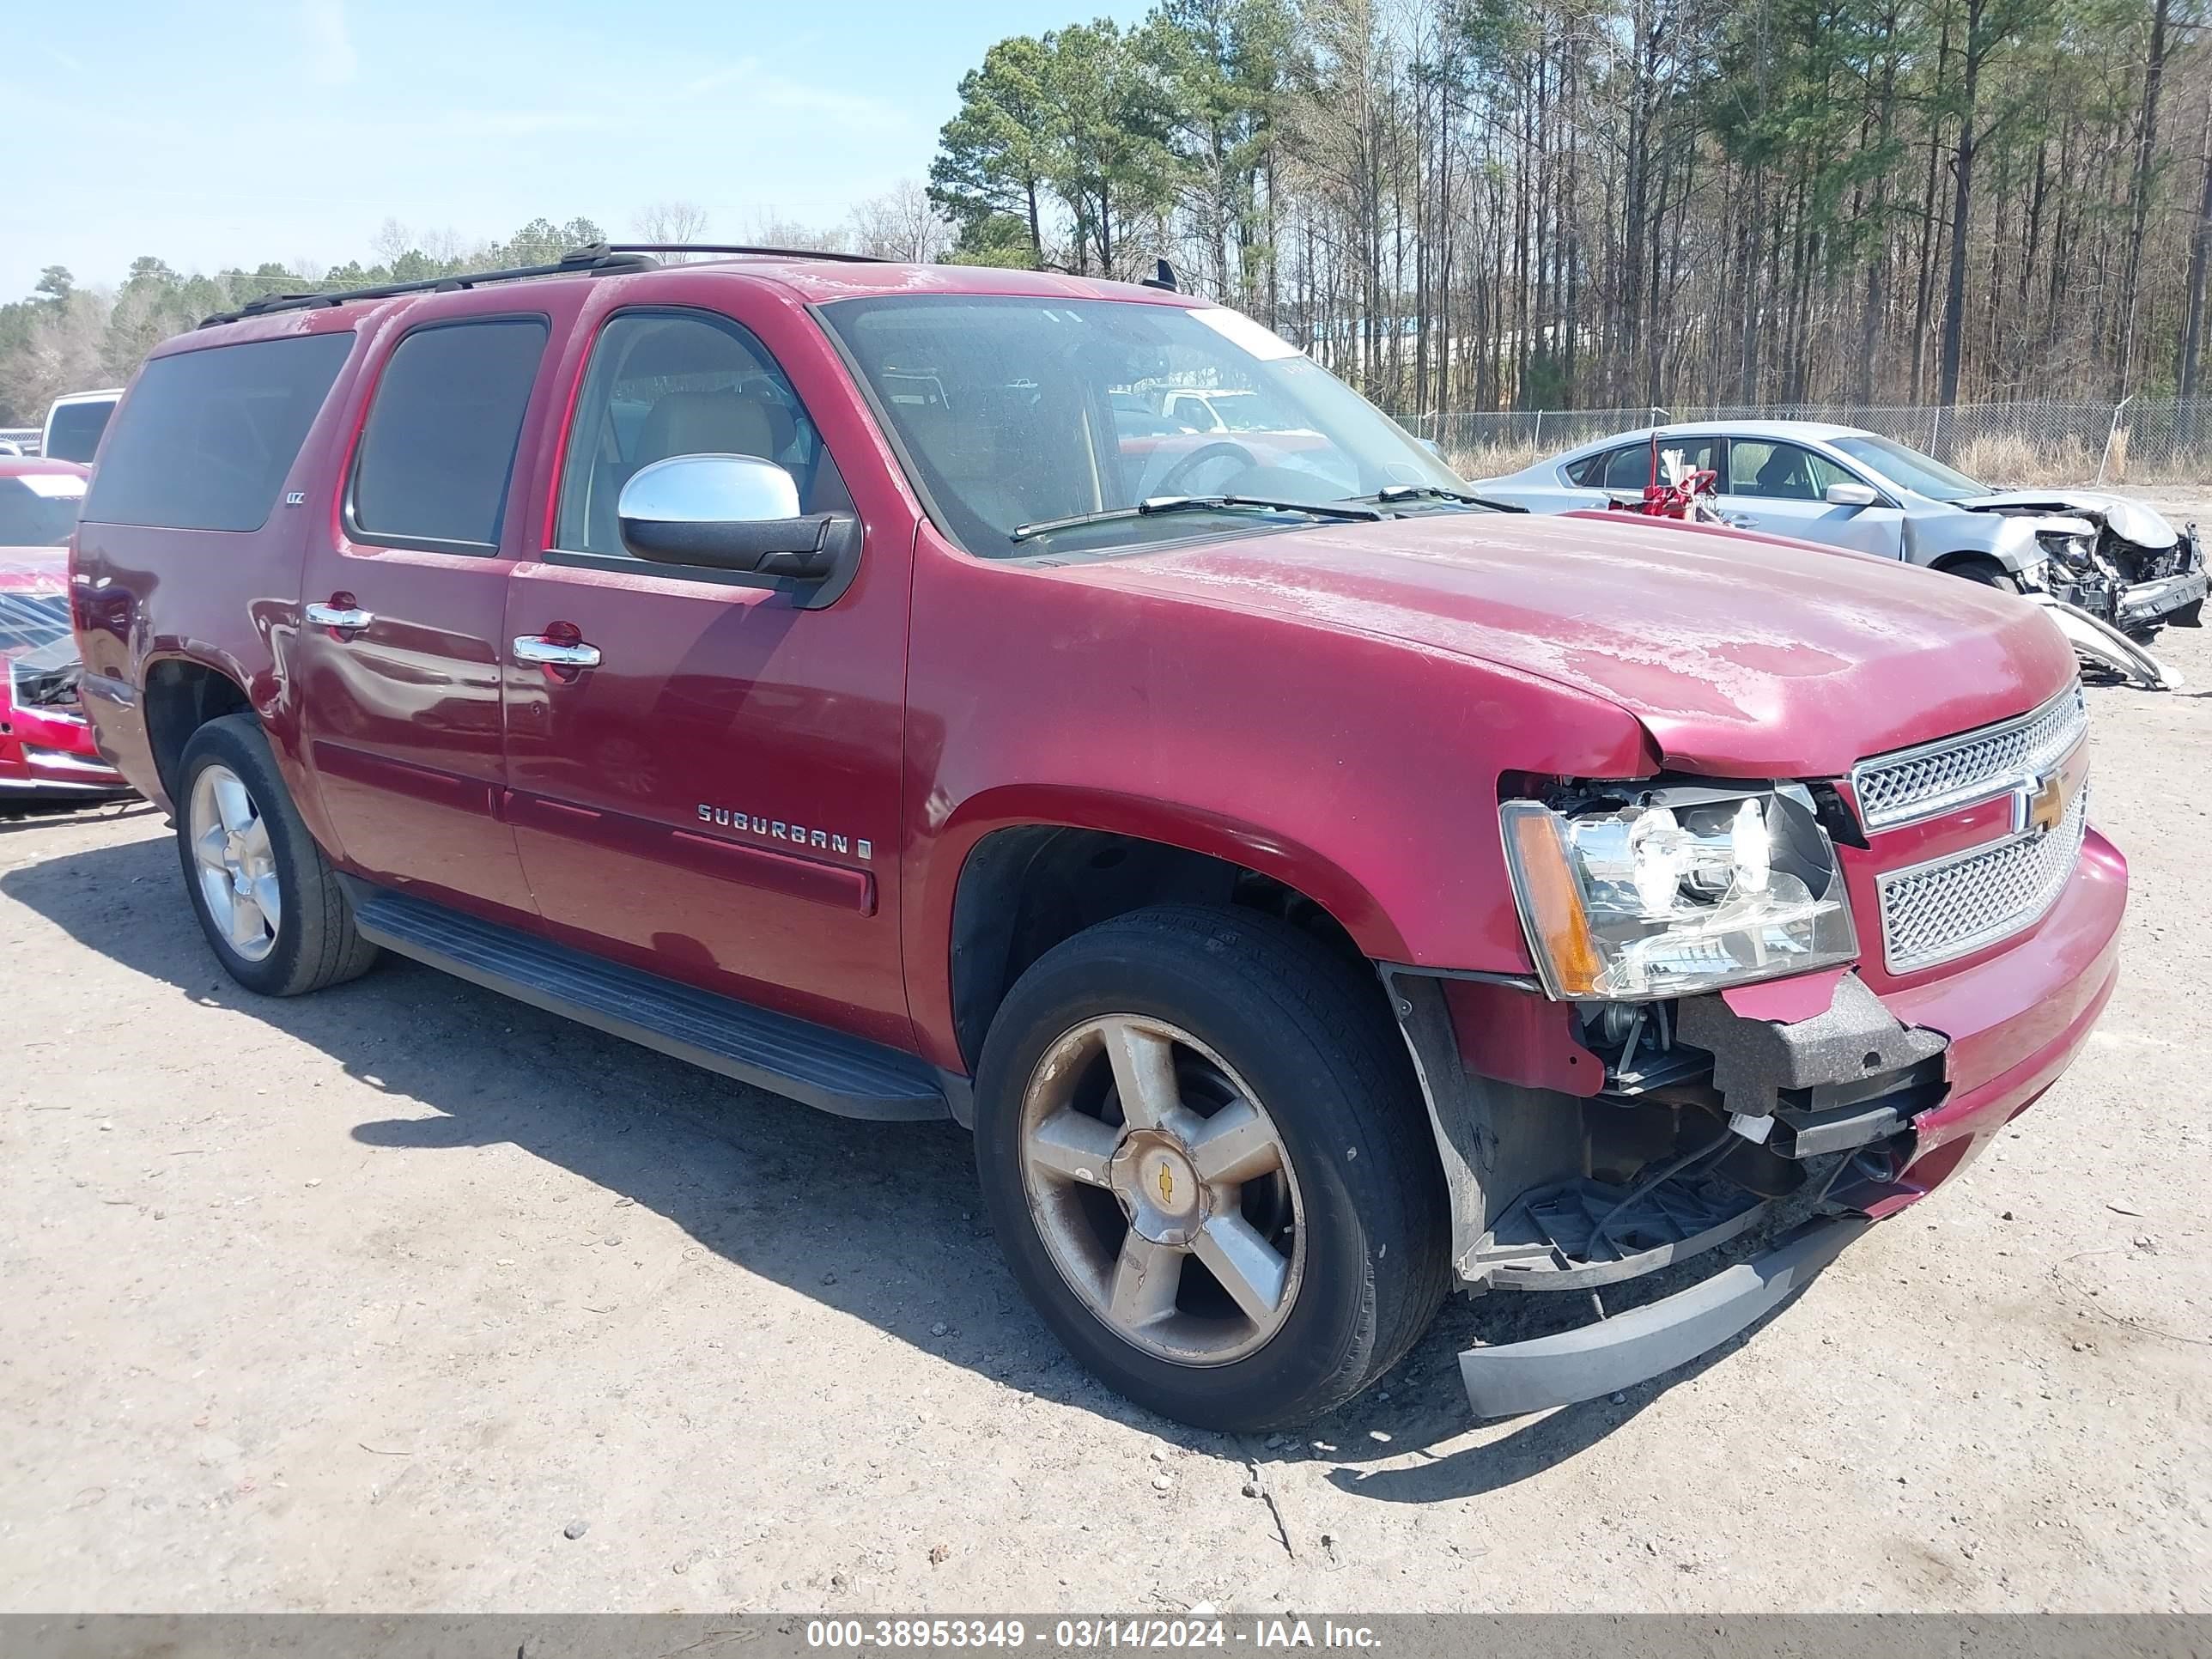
pixel 2011 541
pixel 1361 771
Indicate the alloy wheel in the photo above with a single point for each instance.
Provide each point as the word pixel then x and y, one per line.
pixel 236 866
pixel 1162 1190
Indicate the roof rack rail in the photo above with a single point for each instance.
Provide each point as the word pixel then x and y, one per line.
pixel 740 247
pixel 598 259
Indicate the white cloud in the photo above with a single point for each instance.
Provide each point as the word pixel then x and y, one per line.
pixel 329 53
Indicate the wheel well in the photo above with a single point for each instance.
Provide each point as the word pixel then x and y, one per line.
pixel 1024 890
pixel 181 697
pixel 1951 561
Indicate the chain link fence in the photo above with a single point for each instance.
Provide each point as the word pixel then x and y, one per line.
pixel 2142 440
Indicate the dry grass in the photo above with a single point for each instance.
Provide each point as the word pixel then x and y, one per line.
pixel 2009 461
pixel 1494 460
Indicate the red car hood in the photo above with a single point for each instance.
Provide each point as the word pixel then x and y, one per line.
pixel 1741 655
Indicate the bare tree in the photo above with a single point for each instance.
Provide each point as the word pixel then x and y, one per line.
pixel 671 221
pixel 770 229
pixel 903 223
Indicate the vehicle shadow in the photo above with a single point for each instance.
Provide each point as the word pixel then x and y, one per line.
pixel 18 817
pixel 881 1221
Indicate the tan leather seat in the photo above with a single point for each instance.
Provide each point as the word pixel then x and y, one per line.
pixel 705 423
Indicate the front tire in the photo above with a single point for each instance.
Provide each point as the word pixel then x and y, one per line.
pixel 273 912
pixel 1205 1154
pixel 1988 572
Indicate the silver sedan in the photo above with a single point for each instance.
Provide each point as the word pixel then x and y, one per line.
pixel 2115 558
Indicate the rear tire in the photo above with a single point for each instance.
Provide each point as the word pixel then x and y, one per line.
pixel 274 913
pixel 1327 1198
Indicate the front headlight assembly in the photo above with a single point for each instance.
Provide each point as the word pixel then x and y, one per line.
pixel 1643 892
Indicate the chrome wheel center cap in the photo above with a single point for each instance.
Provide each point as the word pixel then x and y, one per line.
pixel 1152 1176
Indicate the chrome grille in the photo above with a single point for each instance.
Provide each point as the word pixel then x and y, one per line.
pixel 1949 906
pixel 1934 778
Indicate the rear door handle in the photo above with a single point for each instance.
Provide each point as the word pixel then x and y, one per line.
pixel 551 653
pixel 346 619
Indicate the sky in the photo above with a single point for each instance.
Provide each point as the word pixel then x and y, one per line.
pixel 292 130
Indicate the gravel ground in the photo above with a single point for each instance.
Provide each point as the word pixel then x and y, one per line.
pixel 407 1297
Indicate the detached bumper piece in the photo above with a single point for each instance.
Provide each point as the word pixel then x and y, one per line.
pixel 2153 601
pixel 1802 1086
pixel 1632 1347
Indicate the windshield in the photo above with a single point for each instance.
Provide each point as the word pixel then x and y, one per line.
pixel 1016 411
pixel 40 509
pixel 1908 469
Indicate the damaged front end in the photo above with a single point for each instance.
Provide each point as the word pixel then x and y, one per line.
pixel 1707 1124
pixel 1763 1016
pixel 2113 559
pixel 46 745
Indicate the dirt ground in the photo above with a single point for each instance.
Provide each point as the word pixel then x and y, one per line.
pixel 369 1301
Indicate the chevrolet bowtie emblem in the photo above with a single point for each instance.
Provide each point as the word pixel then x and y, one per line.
pixel 1167 1185
pixel 2040 804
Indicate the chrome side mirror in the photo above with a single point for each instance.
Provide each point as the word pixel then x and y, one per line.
pixel 735 512
pixel 1845 493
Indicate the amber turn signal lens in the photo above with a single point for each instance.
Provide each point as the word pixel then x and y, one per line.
pixel 1550 902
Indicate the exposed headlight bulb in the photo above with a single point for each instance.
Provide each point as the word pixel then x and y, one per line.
pixel 1654 860
pixel 1752 845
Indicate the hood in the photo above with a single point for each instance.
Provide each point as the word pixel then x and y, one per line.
pixel 1742 656
pixel 33 570
pixel 2131 521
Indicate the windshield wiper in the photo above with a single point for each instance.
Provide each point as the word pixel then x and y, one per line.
pixel 1158 504
pixel 1391 493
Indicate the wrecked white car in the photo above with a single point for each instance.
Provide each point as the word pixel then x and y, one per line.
pixel 2109 558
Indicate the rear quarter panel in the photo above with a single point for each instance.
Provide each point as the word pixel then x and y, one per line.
pixel 226 600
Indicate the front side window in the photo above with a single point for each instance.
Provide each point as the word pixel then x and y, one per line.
pixel 1017 411
pixel 206 437
pixel 1781 472
pixel 667 383
pixel 1908 469
pixel 439 446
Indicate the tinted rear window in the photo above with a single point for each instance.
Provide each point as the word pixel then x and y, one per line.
pixel 206 437
pixel 441 438
pixel 73 430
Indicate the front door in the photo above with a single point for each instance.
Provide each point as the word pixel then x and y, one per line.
pixel 715 795
pixel 398 667
pixel 1782 489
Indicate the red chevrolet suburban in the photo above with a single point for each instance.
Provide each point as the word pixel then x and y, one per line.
pixel 1316 887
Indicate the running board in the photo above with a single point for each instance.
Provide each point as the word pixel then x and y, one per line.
pixel 823 1069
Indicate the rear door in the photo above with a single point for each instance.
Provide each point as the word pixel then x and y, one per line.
pixel 404 594
pixel 1595 480
pixel 1782 488
pixel 717 798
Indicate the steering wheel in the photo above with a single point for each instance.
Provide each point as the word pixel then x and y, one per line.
pixel 1171 481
